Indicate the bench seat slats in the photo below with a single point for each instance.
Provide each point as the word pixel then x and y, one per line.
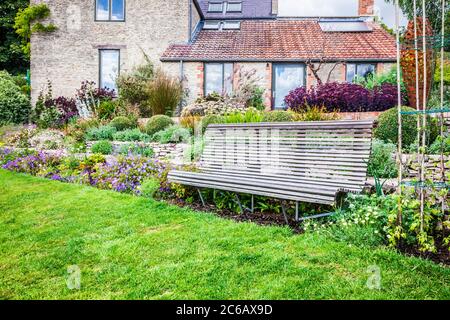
pixel 299 161
pixel 348 183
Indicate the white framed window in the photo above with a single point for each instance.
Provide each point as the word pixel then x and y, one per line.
pixel 234 6
pixel 231 25
pixel 211 25
pixel 215 7
pixel 109 68
pixel 110 10
pixel 360 70
pixel 218 78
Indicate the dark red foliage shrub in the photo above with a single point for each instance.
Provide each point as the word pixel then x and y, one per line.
pixel 343 97
pixel 67 108
pixel 89 91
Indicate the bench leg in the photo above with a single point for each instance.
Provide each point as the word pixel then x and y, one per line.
pixel 201 197
pixel 283 208
pixel 239 203
pixel 252 209
pixel 322 215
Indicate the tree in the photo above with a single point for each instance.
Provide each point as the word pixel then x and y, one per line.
pixel 12 57
pixel 434 15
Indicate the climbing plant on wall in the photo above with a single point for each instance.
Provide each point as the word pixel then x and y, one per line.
pixel 28 22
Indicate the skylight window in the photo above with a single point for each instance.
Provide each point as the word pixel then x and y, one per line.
pixel 222 25
pixel 234 7
pixel 231 25
pixel 344 26
pixel 215 7
pixel 211 25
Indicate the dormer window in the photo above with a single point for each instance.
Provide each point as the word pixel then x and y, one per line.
pixel 215 7
pixel 222 25
pixel 110 10
pixel 234 6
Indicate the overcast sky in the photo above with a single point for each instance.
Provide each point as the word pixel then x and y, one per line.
pixel 335 8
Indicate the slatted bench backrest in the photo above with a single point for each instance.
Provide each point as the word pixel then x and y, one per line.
pixel 335 153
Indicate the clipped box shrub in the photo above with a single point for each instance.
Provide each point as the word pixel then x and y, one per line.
pixel 123 123
pixel 131 135
pixel 387 129
pixel 172 134
pixel 14 105
pixel 102 147
pixel 158 123
pixel 101 133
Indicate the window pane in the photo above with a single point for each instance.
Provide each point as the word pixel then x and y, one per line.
pixel 211 25
pixel 117 10
pixel 364 70
pixel 351 72
pixel 228 78
pixel 232 25
pixel 234 7
pixel 213 78
pixel 215 7
pixel 109 68
pixel 287 77
pixel 102 10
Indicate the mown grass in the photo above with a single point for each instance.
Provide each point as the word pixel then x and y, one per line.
pixel 134 248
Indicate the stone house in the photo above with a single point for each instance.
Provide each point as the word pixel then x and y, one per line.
pixel 206 43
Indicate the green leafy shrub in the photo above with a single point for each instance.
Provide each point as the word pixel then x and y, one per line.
pixel 382 162
pixel 102 147
pixel 14 105
pixel 101 133
pixel 387 129
pixel 131 135
pixel 315 113
pixel 136 149
pixel 123 123
pixel 165 94
pixel 172 134
pixel 278 116
pixel 106 110
pixel 157 123
pixel 249 115
pixel 133 87
pixel 211 119
pixel 439 143
pixel 49 118
pixel 149 187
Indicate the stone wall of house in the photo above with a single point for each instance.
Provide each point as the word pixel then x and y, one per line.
pixel 263 74
pixel 336 72
pixel 71 54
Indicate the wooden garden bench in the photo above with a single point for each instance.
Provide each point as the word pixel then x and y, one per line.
pixel 298 161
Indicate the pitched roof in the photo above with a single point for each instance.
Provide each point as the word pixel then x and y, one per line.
pixel 250 9
pixel 285 40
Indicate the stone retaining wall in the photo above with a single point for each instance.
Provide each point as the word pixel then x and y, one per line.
pixel 171 151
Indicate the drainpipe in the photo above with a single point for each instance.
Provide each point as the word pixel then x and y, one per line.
pixel 180 106
pixel 190 21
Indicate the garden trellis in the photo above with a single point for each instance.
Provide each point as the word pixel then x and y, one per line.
pixel 422 45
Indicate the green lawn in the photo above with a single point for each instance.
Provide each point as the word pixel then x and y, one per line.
pixel 134 248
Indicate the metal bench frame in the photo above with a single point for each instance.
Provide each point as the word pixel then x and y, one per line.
pixel 313 161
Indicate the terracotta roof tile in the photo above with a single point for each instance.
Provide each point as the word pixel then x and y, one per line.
pixel 278 40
